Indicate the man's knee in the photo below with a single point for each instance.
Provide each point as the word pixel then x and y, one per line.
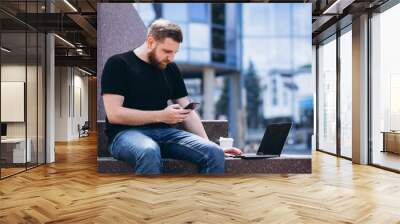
pixel 215 153
pixel 133 147
pixel 147 157
pixel 215 158
pixel 149 152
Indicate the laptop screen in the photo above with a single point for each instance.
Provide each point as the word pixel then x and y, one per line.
pixel 274 139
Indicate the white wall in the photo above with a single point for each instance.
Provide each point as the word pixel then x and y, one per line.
pixel 71 94
pixel 12 73
pixel 33 126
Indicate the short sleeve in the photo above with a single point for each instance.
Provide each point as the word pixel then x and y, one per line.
pixel 177 83
pixel 113 77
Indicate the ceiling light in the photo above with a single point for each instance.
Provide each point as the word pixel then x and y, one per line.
pixel 71 6
pixel 65 41
pixel 5 50
pixel 84 71
pixel 338 6
pixel 331 7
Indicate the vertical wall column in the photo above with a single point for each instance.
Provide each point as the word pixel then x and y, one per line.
pixel 50 98
pixel 360 90
pixel 208 93
pixel 92 98
pixel 237 121
pixel 315 107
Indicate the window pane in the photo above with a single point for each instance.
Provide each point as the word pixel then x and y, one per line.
pixel 185 40
pixel 218 14
pixel 146 12
pixel 301 19
pixel 256 19
pixel 327 97
pixel 301 51
pixel 197 55
pixel 385 88
pixel 279 53
pixel 280 20
pixel 182 55
pixel 218 57
pixel 346 94
pixel 13 84
pixel 198 12
pixel 199 36
pixel 254 50
pixel 218 38
pixel 176 12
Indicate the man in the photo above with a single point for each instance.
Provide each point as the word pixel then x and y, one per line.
pixel 136 86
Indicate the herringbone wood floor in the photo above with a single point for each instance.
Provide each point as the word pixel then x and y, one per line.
pixel 71 191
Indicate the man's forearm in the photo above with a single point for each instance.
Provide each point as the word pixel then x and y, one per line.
pixel 127 116
pixel 193 124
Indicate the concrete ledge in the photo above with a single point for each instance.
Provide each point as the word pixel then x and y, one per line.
pixel 283 164
pixel 170 166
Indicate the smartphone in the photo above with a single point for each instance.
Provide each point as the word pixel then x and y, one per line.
pixel 192 106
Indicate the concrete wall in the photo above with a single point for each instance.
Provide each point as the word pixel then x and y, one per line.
pixel 116 33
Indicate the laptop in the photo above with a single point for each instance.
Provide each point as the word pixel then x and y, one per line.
pixel 272 142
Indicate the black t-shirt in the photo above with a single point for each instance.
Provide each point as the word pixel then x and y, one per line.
pixel 144 86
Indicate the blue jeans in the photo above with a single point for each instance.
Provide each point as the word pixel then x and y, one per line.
pixel 143 147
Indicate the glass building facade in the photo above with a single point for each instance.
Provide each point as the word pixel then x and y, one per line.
pixel 274 38
pixel 208 30
pixel 276 45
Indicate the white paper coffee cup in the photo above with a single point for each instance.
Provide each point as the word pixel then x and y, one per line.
pixel 225 143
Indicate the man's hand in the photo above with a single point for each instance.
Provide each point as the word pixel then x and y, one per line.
pixel 233 151
pixel 174 114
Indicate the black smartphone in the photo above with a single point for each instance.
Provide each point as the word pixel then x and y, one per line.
pixel 192 106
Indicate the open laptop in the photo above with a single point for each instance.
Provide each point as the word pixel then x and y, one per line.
pixel 272 142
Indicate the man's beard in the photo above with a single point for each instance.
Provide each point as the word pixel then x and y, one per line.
pixel 153 60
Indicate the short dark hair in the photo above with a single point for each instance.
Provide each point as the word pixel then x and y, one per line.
pixel 161 29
